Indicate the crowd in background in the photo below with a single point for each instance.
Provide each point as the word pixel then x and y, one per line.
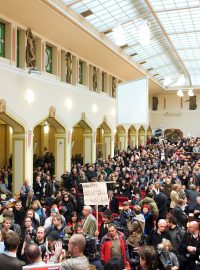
pixel 158 218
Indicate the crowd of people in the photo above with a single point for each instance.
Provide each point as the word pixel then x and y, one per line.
pixel 151 222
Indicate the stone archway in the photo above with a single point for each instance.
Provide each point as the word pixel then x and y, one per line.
pixel 141 136
pixel 82 142
pixel 49 140
pixel 103 141
pixel 13 148
pixel 173 134
pixel 120 138
pixel 132 136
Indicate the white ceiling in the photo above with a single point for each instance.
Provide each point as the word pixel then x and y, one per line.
pixel 175 33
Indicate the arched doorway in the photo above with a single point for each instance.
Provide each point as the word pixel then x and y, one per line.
pixel 173 134
pixel 82 142
pixel 49 143
pixel 120 138
pixel 12 147
pixel 141 136
pixel 132 136
pixel 103 141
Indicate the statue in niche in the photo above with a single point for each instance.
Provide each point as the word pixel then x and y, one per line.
pixel 68 58
pixel 2 106
pixel 30 49
pixel 94 79
pixel 154 103
pixel 114 86
pixel 193 103
pixel 52 112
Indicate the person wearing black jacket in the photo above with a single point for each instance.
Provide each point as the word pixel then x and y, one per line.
pixel 179 214
pixel 157 235
pixel 19 213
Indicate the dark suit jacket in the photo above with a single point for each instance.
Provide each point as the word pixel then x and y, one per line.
pixel 10 263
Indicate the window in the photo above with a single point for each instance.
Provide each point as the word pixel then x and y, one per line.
pixel 48 59
pixel 17 48
pixel 80 78
pixel 2 39
pixel 103 82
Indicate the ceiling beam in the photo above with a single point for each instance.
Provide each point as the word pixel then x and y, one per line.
pixel 185 71
pixel 176 9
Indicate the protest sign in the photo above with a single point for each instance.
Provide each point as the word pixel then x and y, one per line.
pixel 95 193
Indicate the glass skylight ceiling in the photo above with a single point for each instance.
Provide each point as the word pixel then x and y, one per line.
pixel 175 45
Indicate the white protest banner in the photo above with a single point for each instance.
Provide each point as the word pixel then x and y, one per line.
pixel 95 193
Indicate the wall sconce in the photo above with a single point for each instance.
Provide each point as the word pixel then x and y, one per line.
pixel 46 127
pixel 94 108
pixel 113 112
pixel 181 94
pixel 11 130
pixel 29 96
pixel 68 104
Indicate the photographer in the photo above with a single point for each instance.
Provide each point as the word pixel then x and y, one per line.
pixel 76 247
pixel 167 258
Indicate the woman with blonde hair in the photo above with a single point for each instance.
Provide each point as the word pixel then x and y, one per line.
pixel 174 195
pixel 167 258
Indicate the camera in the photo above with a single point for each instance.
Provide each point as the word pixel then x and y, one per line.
pixel 91 246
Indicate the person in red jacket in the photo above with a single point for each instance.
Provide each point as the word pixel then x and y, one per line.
pixel 114 247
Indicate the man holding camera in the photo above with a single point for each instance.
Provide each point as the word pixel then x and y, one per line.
pixel 76 247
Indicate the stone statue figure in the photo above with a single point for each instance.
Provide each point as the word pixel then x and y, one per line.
pixel 68 58
pixel 52 112
pixel 94 79
pixel 193 103
pixel 114 86
pixel 154 103
pixel 2 106
pixel 30 49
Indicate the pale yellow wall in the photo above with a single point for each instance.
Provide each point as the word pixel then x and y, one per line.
pixel 2 145
pixel 77 138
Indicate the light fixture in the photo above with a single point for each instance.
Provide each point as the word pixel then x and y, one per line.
pixel 113 112
pixel 118 34
pixel 115 131
pixel 46 127
pixel 29 96
pixel 68 104
pixel 180 93
pixel 167 81
pixel 11 130
pixel 181 80
pixel 144 33
pixel 94 108
pixel 190 93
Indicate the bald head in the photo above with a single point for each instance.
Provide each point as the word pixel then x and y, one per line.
pixel 194 224
pixel 77 241
pixel 32 252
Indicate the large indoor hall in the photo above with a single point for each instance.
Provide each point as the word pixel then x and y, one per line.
pixel 99 134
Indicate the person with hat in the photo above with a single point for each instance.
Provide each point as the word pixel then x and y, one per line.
pixel 106 220
pixel 126 213
pixel 149 223
pixel 52 249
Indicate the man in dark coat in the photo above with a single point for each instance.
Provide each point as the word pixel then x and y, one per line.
pixel 8 258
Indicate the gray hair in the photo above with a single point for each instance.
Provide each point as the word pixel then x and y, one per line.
pixel 89 208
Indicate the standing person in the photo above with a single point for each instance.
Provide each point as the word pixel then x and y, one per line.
pixel 113 202
pixel 114 247
pixel 90 222
pixel 157 235
pixel 78 261
pixel 8 259
pixel 33 255
pixel 106 220
pixel 148 258
pixel 191 245
pixel 19 213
